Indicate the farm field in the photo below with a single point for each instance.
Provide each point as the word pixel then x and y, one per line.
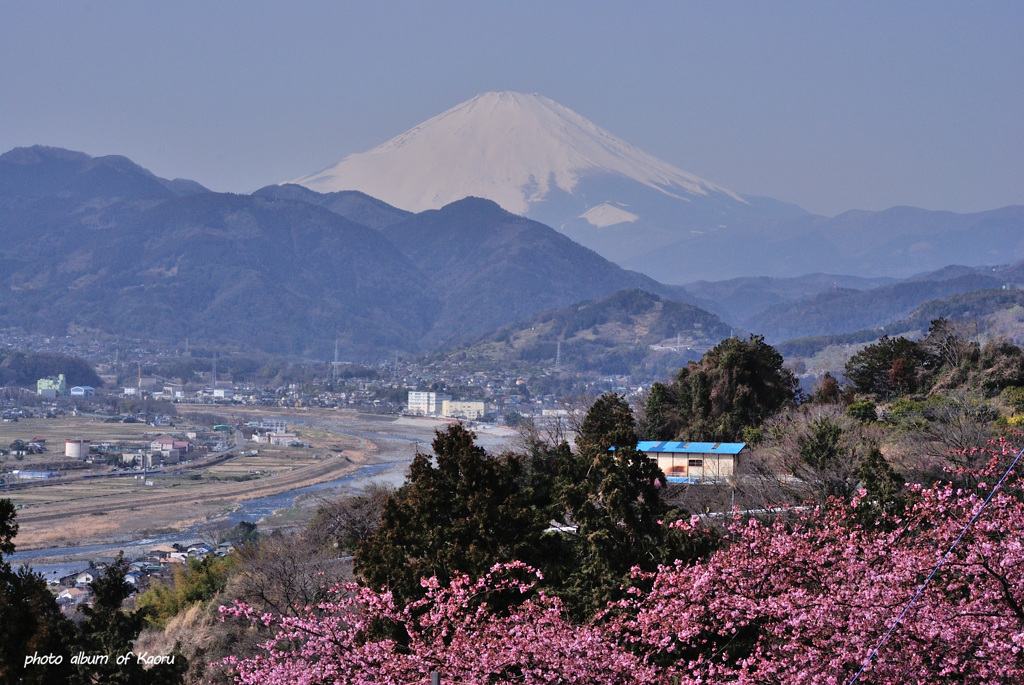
pixel 74 510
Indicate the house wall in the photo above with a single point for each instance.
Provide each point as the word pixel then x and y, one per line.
pixel 699 466
pixel 469 409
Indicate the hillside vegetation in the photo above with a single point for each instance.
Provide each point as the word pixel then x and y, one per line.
pixel 992 313
pixel 631 332
pixel 102 245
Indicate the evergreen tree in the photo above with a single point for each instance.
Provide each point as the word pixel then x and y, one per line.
pixel 829 463
pixel 30 620
pixel 612 493
pixel 892 366
pixel 735 386
pixel 884 489
pixel 828 390
pixel 462 512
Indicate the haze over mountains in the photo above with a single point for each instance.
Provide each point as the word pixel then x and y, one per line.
pixel 540 159
pixel 101 244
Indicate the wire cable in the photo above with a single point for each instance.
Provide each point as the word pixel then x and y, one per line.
pixel 935 570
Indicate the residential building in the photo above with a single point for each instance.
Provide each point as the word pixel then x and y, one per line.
pixel 166 443
pixel 426 403
pixel 694 462
pixel 73 596
pixel 51 387
pixel 471 410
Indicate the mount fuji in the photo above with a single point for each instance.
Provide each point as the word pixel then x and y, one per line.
pixel 512 148
pixel 539 159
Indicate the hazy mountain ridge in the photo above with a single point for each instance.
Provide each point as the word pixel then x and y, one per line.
pixel 351 204
pixel 284 277
pixel 997 312
pixel 738 299
pixel 542 160
pixel 896 242
pixel 280 270
pixel 843 310
pixel 284 271
pixel 492 267
pixel 45 171
pixel 628 332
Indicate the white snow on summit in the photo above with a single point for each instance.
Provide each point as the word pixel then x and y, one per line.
pixel 512 148
pixel 606 215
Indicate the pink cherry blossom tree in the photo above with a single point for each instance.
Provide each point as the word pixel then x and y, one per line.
pixel 801 598
pixel 805 599
pixel 495 629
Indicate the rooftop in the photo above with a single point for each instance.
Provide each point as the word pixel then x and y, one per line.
pixel 691 447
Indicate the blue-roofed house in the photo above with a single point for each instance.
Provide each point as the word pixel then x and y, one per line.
pixel 694 462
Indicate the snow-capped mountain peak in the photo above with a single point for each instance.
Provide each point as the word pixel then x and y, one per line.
pixel 512 148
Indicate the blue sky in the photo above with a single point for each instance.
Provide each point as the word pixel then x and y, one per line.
pixel 834 106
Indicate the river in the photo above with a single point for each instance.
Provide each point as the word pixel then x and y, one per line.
pixel 396 441
pixel 250 510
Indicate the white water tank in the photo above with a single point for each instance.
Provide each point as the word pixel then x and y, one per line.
pixel 76 449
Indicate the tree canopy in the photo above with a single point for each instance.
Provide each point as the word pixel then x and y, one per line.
pixel 21 368
pixel 460 512
pixel 735 386
pixel 465 510
pixel 612 494
pixel 892 366
pixel 801 598
pixel 30 620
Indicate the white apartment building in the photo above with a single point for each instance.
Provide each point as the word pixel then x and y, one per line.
pixel 426 403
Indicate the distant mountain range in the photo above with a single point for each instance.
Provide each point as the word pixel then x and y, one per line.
pixel 631 332
pixel 490 267
pixel 133 258
pixel 738 299
pixel 54 172
pixel 101 244
pixel 841 310
pixel 537 158
pixel 995 313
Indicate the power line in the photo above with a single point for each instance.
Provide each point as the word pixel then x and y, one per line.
pixel 935 570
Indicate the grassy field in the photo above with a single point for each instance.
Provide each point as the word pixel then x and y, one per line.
pixel 74 510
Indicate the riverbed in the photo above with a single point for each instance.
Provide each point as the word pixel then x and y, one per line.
pixel 394 440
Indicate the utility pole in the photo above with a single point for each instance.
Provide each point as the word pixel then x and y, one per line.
pixel 334 366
